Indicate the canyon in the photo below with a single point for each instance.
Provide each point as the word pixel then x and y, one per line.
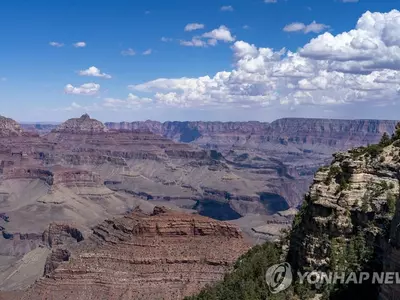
pixel 65 180
pixel 348 225
pixel 268 163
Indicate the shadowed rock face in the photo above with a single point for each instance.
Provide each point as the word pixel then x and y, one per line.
pixel 61 238
pixel 391 262
pixel 165 255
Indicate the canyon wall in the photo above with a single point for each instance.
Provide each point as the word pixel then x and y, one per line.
pixel 164 255
pixel 334 133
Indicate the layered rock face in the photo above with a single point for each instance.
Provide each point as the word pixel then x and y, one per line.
pixel 87 141
pixel 274 152
pixel 264 168
pixel 291 147
pixel 345 221
pixel 153 167
pixel 165 255
pixel 337 134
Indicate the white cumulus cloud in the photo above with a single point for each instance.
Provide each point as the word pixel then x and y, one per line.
pixel 220 34
pixel 88 89
pixel 210 38
pixel 360 65
pixel 94 72
pixel 194 26
pixel 313 27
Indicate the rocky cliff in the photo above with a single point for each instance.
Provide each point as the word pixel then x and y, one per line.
pixel 334 133
pixel 391 261
pixel 164 255
pixel 8 127
pixel 344 223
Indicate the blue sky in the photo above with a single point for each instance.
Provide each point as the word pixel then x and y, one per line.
pixel 40 81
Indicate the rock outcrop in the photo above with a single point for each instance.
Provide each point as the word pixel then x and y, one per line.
pixel 82 124
pixel 9 128
pixel 165 255
pixel 61 238
pixel 345 220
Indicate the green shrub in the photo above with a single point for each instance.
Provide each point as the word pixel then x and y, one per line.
pixel 365 204
pixel 396 134
pixel 300 215
pixel 374 150
pixel 247 281
pixel 385 140
pixel 333 172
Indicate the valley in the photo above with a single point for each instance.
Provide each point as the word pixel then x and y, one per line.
pixel 82 172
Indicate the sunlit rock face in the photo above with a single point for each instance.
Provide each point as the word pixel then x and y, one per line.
pixel 162 255
pixel 344 223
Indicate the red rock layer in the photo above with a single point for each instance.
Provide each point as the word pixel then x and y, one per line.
pixel 167 255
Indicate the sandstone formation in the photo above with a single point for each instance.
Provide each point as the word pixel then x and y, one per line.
pixel 165 255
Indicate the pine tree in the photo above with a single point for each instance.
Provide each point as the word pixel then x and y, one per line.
pixel 385 140
pixel 396 134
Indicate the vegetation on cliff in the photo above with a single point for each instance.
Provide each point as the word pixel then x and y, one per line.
pixel 247 280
